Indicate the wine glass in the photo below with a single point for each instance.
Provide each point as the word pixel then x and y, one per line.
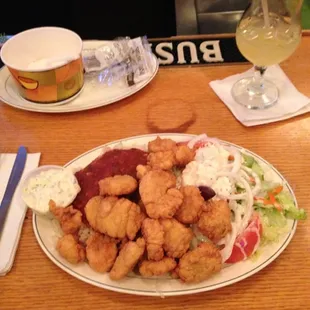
pixel 268 33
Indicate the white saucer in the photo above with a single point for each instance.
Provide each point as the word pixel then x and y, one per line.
pixel 91 95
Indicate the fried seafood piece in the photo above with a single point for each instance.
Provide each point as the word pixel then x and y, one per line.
pixel 70 249
pixel 122 243
pixel 150 268
pixel 114 217
pixel 177 237
pixel 101 252
pixel 215 220
pixel 166 206
pixel 161 145
pixel 164 160
pixel 128 257
pixel 165 153
pixel 117 185
pixel 155 184
pixel 199 264
pixel 192 205
pixel 153 234
pixel 69 218
pixel 142 170
pixel 184 155
pixel 159 195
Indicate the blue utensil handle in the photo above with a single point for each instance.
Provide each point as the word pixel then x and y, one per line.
pixel 14 179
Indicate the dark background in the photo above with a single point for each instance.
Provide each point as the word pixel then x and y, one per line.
pixel 92 19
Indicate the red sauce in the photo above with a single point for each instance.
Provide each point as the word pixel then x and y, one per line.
pixel 114 162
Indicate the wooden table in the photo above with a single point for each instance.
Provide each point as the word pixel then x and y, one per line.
pixel 184 95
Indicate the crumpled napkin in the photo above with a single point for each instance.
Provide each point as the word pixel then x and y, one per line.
pixel 290 103
pixel 15 217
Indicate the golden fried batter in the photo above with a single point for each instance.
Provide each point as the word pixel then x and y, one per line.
pixel 159 195
pixel 161 145
pixel 101 252
pixel 155 184
pixel 164 160
pixel 199 264
pixel 215 220
pixel 150 268
pixel 69 218
pixel 114 217
pixel 191 207
pixel 166 206
pixel 142 171
pixel 70 249
pixel 184 155
pixel 153 234
pixel 128 257
pixel 135 219
pixel 164 154
pixel 177 237
pixel 117 185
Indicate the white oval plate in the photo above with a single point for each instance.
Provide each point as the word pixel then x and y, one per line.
pixel 91 96
pixel 47 237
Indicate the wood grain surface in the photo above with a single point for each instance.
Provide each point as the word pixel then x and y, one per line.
pixel 178 99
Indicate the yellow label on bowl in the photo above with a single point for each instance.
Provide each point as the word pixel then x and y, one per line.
pixel 51 85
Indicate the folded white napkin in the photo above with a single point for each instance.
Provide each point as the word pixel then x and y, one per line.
pixel 291 102
pixel 17 210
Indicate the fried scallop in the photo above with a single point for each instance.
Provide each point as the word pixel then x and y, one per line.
pixel 161 145
pixel 191 208
pixel 68 247
pixel 199 264
pixel 128 257
pixel 165 153
pixel 101 252
pixel 164 160
pixel 166 206
pixel 184 155
pixel 159 195
pixel 177 238
pixel 69 218
pixel 117 185
pixel 142 170
pixel 153 234
pixel 117 218
pixel 150 268
pixel 215 220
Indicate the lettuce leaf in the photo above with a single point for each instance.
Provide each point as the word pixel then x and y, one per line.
pixel 290 211
pixel 274 224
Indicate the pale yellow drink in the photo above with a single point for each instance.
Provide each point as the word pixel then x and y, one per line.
pixel 265 46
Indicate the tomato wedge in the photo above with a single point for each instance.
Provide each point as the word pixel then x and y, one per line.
pixel 247 242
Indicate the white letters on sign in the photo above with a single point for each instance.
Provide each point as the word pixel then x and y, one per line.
pixel 206 52
pixel 166 57
pixel 193 51
pixel 212 54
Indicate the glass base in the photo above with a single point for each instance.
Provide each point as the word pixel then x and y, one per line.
pixel 252 97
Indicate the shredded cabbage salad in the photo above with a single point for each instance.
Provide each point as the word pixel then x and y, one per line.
pixel 250 187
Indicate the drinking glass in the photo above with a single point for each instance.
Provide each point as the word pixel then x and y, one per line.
pixel 268 33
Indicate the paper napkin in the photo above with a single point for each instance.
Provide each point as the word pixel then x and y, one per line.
pixel 290 103
pixel 15 217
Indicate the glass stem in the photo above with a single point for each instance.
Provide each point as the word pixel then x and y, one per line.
pixel 257 85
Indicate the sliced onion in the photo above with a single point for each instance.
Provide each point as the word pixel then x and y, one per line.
pixel 192 142
pixel 237 161
pixel 228 241
pixel 258 183
pixel 249 205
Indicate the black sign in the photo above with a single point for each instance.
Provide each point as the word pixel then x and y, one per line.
pixel 197 51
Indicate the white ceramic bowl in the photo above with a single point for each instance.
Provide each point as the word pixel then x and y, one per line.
pixel 34 173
